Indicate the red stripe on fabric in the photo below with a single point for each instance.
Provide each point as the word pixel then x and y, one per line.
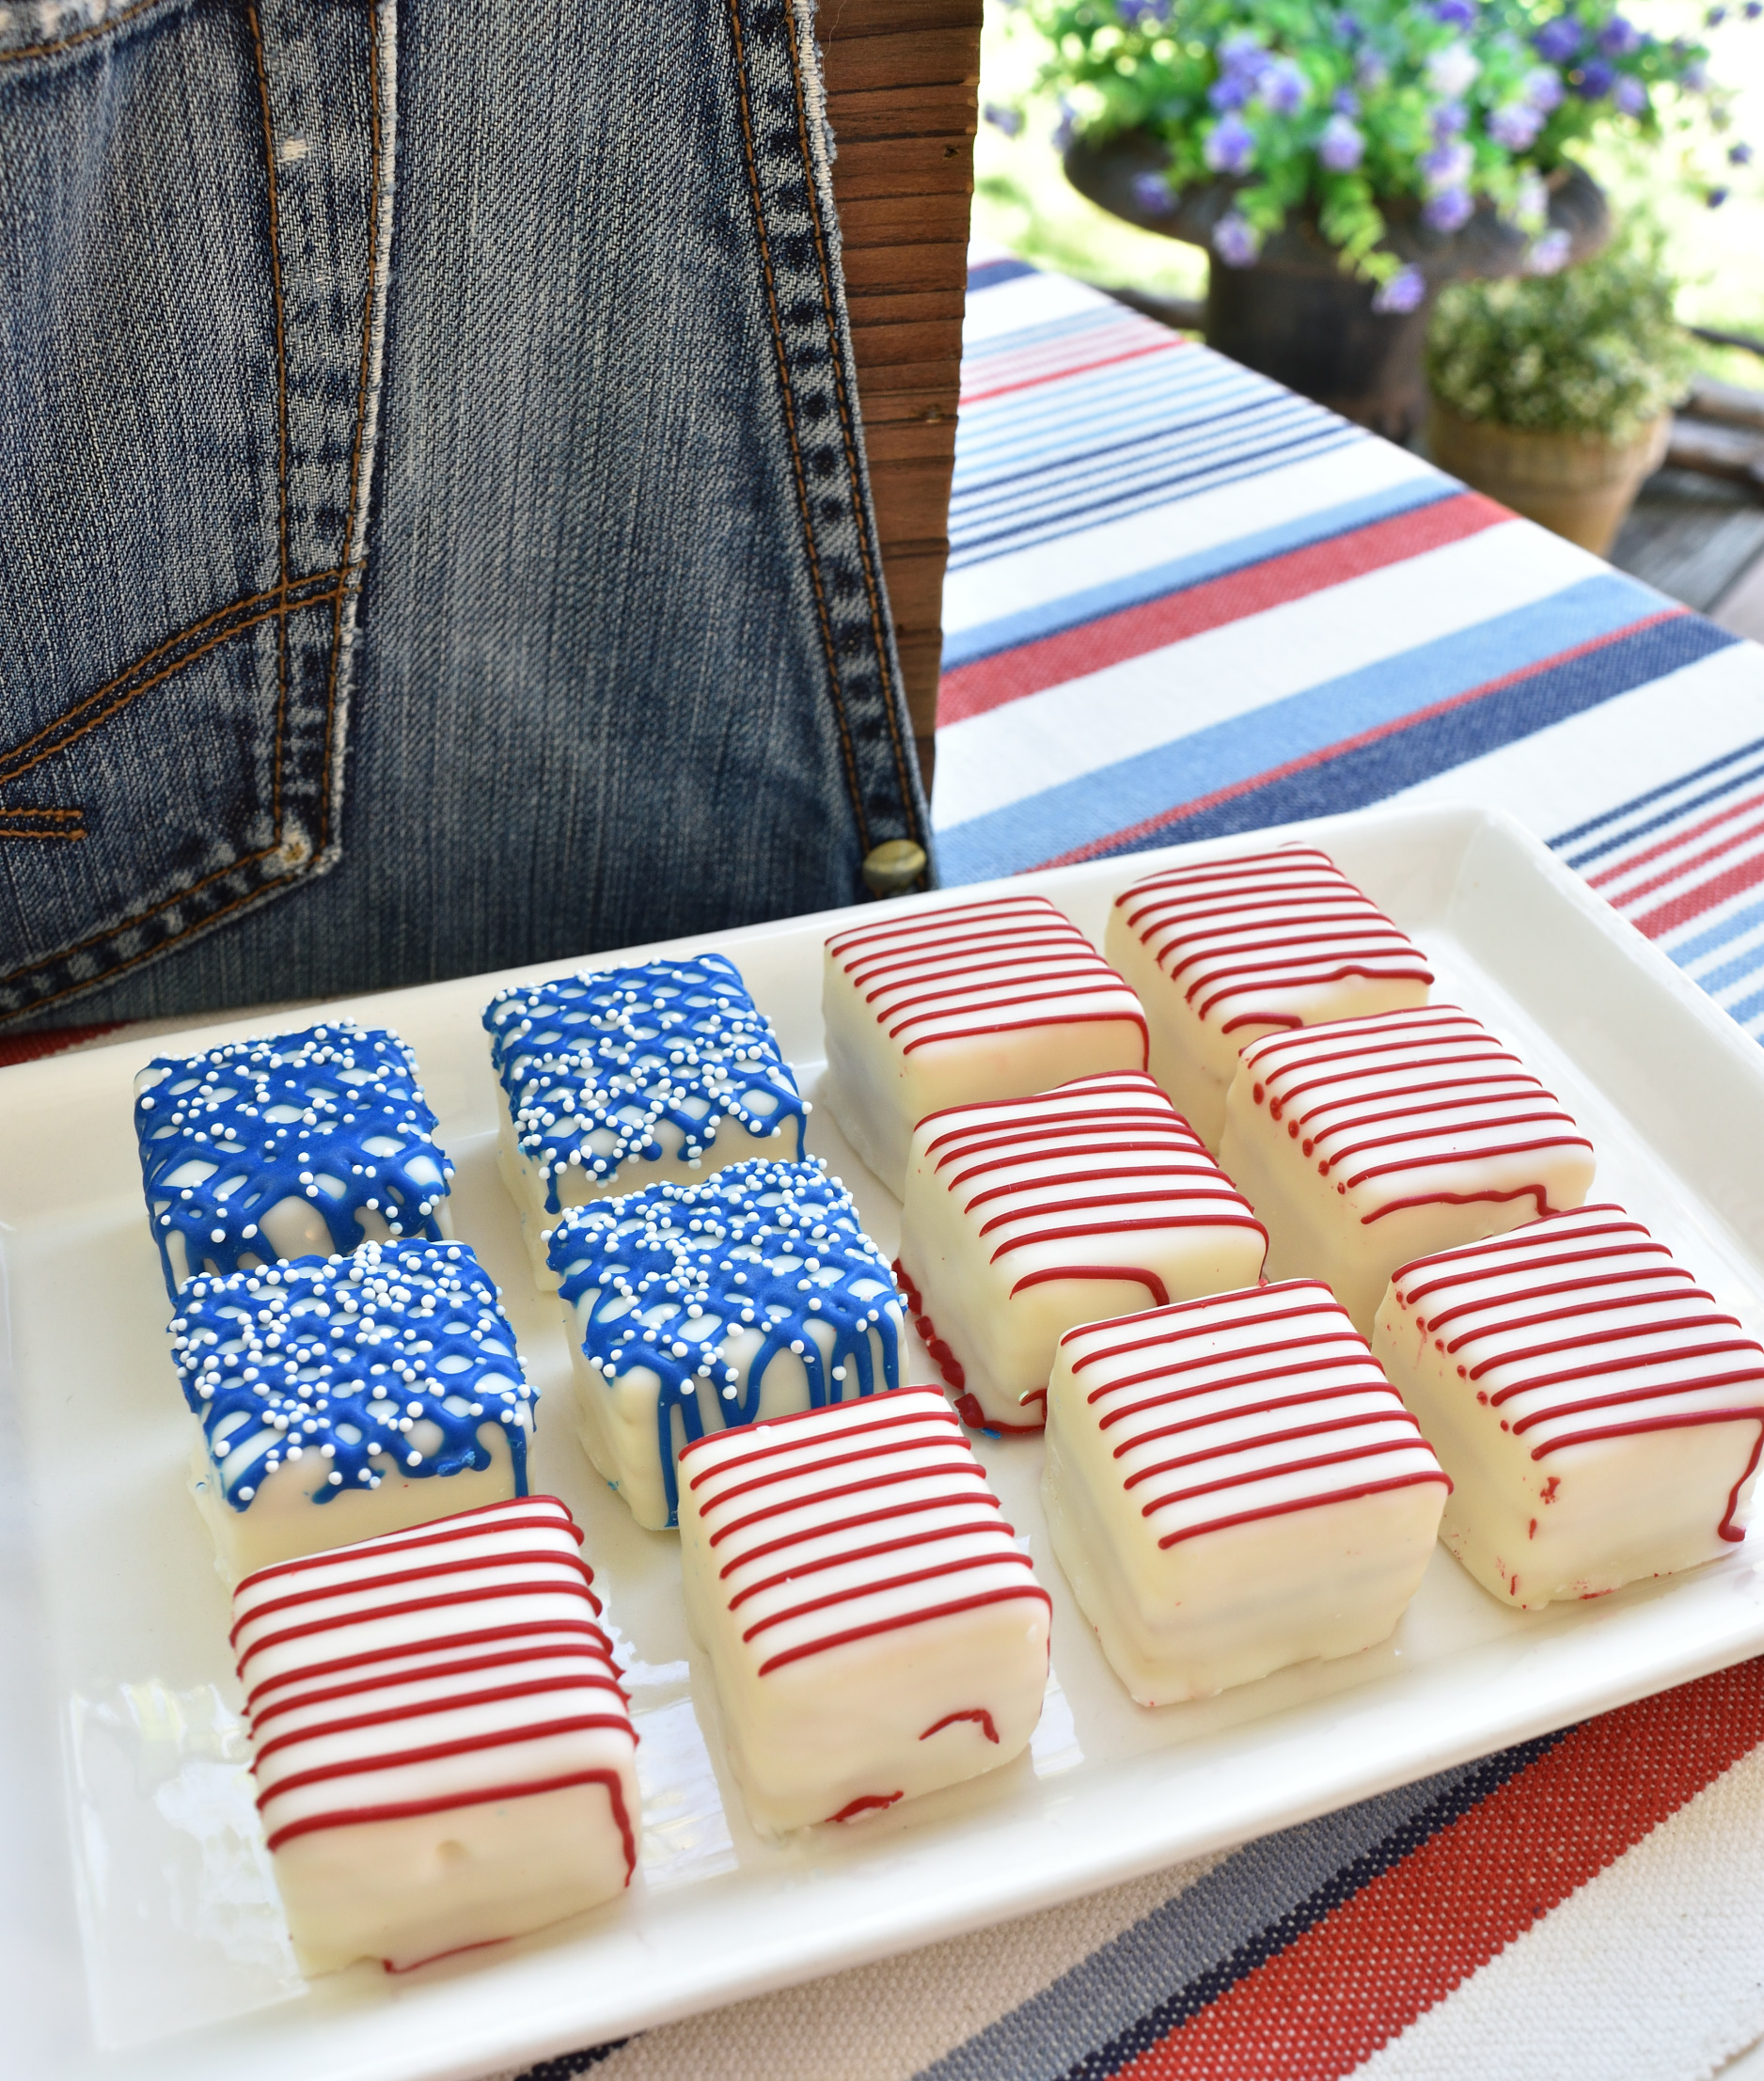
pixel 1152 625
pixel 1073 368
pixel 1672 845
pixel 26 1048
pixel 1704 897
pixel 1178 811
pixel 1362 1975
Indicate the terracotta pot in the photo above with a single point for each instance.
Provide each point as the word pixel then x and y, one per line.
pixel 1295 316
pixel 1576 484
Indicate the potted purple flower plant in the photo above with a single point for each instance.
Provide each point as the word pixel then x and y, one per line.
pixel 1341 164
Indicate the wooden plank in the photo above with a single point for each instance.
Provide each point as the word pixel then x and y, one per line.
pixel 906 165
pixel 903 79
pixel 913 57
pixel 905 111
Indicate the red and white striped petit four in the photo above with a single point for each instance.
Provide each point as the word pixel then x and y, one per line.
pixel 1368 1142
pixel 443 1753
pixel 1223 951
pixel 1026 1216
pixel 931 1008
pixel 874 1628
pixel 1598 1413
pixel 1232 1485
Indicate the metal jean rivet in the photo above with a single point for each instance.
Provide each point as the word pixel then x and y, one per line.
pixel 889 868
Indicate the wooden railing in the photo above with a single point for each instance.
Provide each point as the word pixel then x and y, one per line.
pixel 902 81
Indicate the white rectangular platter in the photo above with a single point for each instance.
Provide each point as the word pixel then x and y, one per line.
pixel 138 1923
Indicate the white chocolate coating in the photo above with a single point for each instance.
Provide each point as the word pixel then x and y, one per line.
pixel 1598 1415
pixel 443 1753
pixel 1024 1217
pixel 874 1629
pixel 1223 951
pixel 1368 1142
pixel 1232 1485
pixel 934 1008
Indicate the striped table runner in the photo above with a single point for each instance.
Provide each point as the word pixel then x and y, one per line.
pixel 1183 602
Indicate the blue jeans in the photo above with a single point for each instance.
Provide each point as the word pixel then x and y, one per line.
pixel 433 524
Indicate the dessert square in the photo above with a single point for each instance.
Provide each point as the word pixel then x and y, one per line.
pixel 874 1629
pixel 346 1397
pixel 932 1008
pixel 1223 951
pixel 693 1308
pixel 621 1077
pixel 443 1753
pixel 1025 1217
pixel 307 1144
pixel 1599 1413
pixel 1232 1485
pixel 1367 1142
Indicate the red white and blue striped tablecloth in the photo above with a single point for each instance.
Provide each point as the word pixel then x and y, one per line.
pixel 1183 602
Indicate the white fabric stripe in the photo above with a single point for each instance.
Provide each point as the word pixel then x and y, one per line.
pixel 1008 755
pixel 888 2021
pixel 1653 1971
pixel 1118 548
pixel 1030 300
pixel 1559 777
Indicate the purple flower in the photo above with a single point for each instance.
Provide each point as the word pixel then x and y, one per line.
pixel 1715 197
pixel 1231 146
pixel 1007 119
pixel 1347 102
pixel 1715 17
pixel 1542 89
pixel 1456 14
pixel 1619 37
pixel 1753 8
pixel 1449 209
pixel 1558 41
pixel 1515 125
pixel 1242 55
pixel 1739 156
pixel 1236 241
pixel 1284 87
pixel 1593 81
pixel 1549 254
pixel 1341 147
pixel 1450 120
pixel 1630 97
pixel 1154 13
pixel 1404 291
pixel 1348 29
pixel 1371 72
pixel 1447 168
pixel 1150 194
pixel 1694 78
pixel 1230 90
pixel 1065 129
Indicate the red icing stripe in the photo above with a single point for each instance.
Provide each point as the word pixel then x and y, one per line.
pixel 844 1432
pixel 405 1651
pixel 462 1524
pixel 365 1585
pixel 868 1804
pixel 845 1556
pixel 521 1657
pixel 974 1473
pixel 426 1708
pixel 1000 1557
pixel 977 1713
pixel 915 1508
pixel 1312 1465
pixel 938 1442
pixel 920 1617
pixel 467 1744
pixel 743 1435
pixel 1132 1275
pixel 343 1621
pixel 1320 1502
pixel 1205 1301
pixel 487 1795
pixel 1365 1971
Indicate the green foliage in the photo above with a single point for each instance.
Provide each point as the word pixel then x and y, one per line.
pixel 1593 350
pixel 1351 112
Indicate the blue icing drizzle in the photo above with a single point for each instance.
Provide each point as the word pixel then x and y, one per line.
pixel 673 1272
pixel 592 1064
pixel 333 1118
pixel 385 1362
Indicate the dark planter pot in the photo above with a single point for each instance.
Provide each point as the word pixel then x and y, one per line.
pixel 1295 316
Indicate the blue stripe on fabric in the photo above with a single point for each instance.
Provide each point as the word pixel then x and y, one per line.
pixel 1666 816
pixel 990 274
pixel 1654 795
pixel 1748 1007
pixel 1057 414
pixel 1131 1992
pixel 1216 561
pixel 1730 972
pixel 1370 773
pixel 1259 463
pixel 1097 805
pixel 1717 935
